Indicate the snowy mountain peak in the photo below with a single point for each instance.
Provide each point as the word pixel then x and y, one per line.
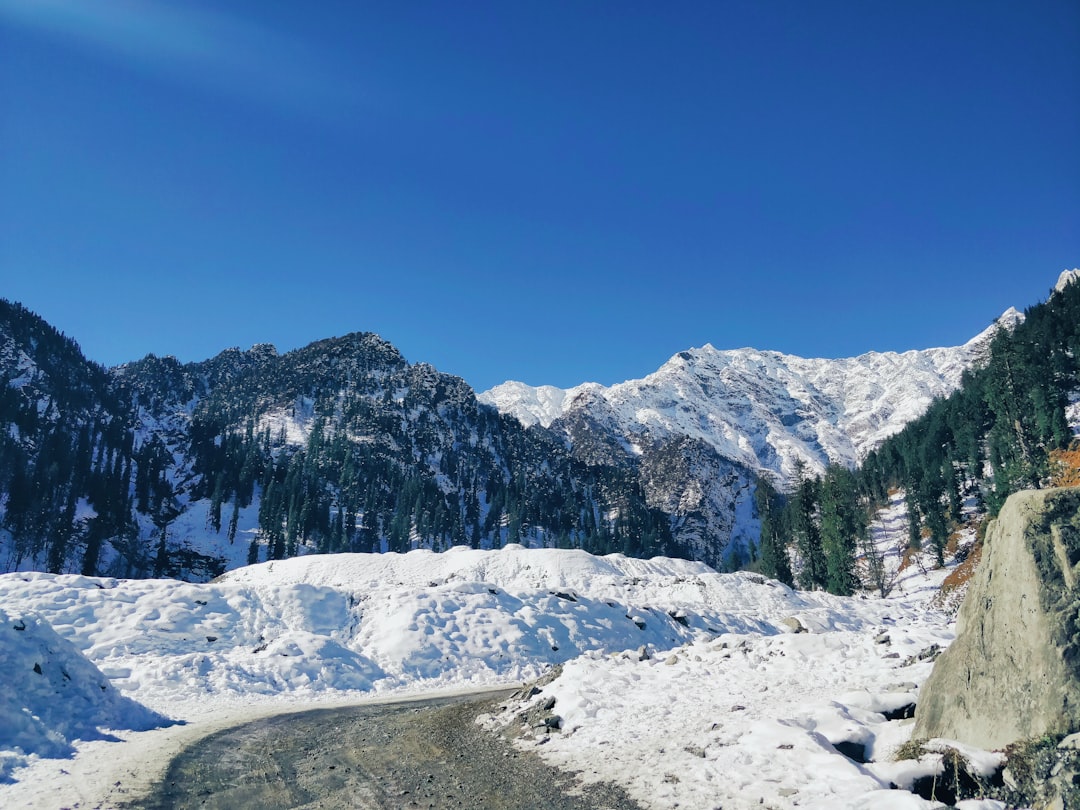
pixel 763 410
pixel 1066 278
pixel 535 405
pixel 979 346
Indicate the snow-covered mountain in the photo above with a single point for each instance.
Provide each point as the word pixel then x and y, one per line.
pixel 163 468
pixel 700 430
pixel 763 410
pixel 157 468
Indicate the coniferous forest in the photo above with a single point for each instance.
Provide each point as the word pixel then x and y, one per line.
pixel 1004 430
pixel 97 465
pixel 344 446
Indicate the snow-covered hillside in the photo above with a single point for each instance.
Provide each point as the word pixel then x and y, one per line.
pixel 693 677
pixel 764 410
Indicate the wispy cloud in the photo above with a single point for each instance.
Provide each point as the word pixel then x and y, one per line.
pixel 188 44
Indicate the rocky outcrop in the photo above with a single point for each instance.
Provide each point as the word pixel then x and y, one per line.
pixel 1013 672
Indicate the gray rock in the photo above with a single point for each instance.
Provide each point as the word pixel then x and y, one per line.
pixel 1070 743
pixel 793 625
pixel 1013 672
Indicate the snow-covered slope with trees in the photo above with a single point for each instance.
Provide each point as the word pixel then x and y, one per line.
pixel 158 468
pixel 162 468
pixel 698 432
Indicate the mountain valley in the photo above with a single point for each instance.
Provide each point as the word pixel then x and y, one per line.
pixel 161 468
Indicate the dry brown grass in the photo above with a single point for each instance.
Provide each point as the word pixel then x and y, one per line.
pixel 962 574
pixel 1065 466
pixel 907 559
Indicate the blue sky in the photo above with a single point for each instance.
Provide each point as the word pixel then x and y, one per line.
pixel 550 192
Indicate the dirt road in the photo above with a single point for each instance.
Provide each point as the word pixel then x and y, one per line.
pixel 427 754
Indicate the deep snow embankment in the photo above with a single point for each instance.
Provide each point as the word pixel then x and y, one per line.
pixel 274 636
pixel 384 622
pixel 53 696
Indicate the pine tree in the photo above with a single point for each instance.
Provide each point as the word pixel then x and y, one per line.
pixel 774 560
pixel 842 523
pixel 804 514
pixel 234 520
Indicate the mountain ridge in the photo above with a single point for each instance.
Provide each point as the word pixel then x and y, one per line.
pixel 841 433
pixel 163 468
pixel 344 445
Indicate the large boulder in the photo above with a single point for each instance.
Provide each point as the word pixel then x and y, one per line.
pixel 1014 670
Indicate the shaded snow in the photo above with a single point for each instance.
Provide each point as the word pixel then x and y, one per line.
pixel 53 696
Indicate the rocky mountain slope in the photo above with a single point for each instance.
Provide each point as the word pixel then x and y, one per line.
pixel 699 431
pixel 163 468
pixel 765 410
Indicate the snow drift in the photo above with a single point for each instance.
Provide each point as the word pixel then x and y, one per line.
pixel 53 696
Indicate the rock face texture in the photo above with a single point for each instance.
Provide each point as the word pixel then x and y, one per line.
pixel 1014 670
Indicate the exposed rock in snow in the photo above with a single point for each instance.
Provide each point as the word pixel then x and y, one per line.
pixel 1011 675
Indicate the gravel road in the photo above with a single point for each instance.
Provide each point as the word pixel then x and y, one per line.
pixel 427 754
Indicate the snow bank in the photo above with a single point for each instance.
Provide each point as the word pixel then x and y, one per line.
pixel 686 685
pixel 377 622
pixel 744 720
pixel 753 718
pixel 53 696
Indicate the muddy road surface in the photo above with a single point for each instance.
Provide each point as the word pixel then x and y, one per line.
pixel 427 754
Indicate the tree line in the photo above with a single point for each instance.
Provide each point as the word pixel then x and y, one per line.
pixel 1003 430
pixel 97 466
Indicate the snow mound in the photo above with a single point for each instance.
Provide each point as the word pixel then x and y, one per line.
pixel 53 696
pixel 513 568
pixel 384 622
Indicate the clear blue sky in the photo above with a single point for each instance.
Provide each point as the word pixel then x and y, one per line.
pixel 552 192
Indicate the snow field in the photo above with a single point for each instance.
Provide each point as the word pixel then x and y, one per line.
pixel 743 720
pixel 729 707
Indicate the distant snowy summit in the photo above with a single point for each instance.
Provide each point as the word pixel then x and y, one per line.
pixel 1066 278
pixel 764 410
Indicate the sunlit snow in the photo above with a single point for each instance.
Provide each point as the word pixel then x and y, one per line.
pixel 764 409
pixel 688 686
